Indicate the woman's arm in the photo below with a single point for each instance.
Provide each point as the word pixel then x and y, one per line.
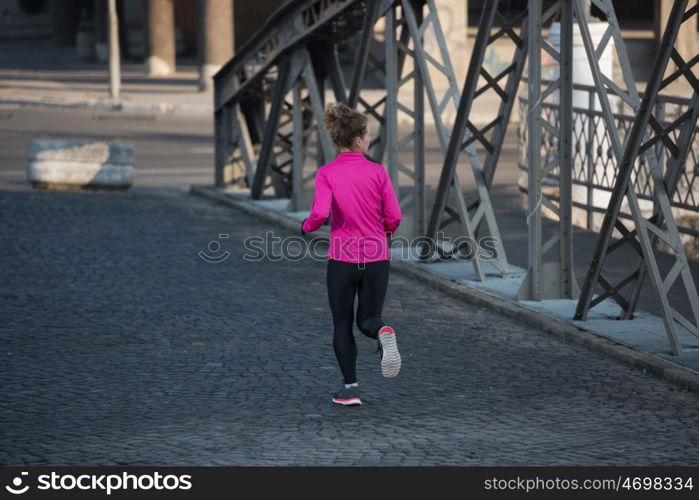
pixel 320 210
pixel 391 208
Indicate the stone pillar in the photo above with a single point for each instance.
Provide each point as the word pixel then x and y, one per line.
pixel 216 28
pixel 160 60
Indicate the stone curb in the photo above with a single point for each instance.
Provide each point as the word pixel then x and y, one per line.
pixel 663 368
pixel 107 105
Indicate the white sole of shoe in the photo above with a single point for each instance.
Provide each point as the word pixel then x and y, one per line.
pixel 348 402
pixel 390 361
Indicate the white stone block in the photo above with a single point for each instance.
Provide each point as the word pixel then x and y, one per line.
pixel 61 164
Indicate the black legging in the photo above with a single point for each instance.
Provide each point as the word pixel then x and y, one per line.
pixel 345 280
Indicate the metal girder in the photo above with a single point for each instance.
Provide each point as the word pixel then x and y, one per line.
pixel 281 87
pixel 261 73
pixel 312 109
pixel 412 24
pixel 417 24
pixel 222 139
pixel 550 273
pixel 464 127
pixel 419 195
pixel 337 81
pixel 326 146
pixel 395 54
pixel 295 73
pixel 405 23
pixel 274 143
pixel 363 51
pixel 675 165
pixel 241 137
pixel 269 87
pixel 661 225
pixel 297 148
pixel 288 27
pixel 386 108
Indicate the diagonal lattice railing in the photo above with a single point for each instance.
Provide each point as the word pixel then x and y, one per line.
pixel 594 165
pixel 646 134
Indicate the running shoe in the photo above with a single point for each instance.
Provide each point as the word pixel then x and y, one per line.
pixel 388 350
pixel 347 397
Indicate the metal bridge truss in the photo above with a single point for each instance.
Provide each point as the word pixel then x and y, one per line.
pixel 647 133
pixel 275 82
pixel 269 108
pixel 255 133
pixel 478 216
pixel 550 272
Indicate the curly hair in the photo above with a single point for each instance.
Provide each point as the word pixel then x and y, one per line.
pixel 344 124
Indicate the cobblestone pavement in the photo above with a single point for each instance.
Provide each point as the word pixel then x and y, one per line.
pixel 120 345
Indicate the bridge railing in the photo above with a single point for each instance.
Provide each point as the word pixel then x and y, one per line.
pixel 594 167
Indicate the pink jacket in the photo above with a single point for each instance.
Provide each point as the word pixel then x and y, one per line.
pixel 365 210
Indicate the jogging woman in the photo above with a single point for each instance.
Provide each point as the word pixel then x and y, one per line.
pixel 365 212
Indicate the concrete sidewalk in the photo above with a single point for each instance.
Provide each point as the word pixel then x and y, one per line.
pixel 640 343
pixel 33 73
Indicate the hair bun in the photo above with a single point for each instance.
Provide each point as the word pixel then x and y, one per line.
pixel 344 123
pixel 336 111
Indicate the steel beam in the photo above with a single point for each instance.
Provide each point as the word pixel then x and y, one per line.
pixel 290 26
pixel 297 148
pixel 550 273
pixel 263 163
pixel 645 230
pixel 463 127
pixel 367 35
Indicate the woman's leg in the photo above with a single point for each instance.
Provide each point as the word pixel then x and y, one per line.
pixel 372 292
pixel 342 278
